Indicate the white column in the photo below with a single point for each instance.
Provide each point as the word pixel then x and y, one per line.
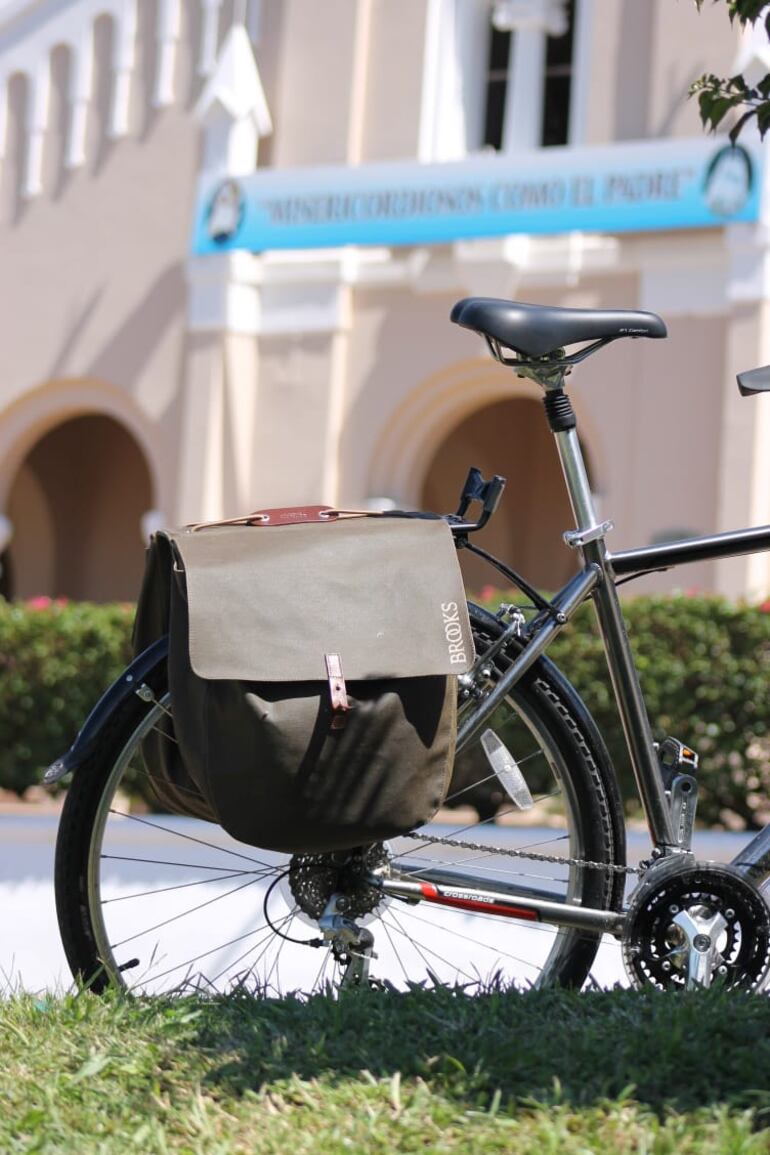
pixel 124 64
pixel 201 432
pixel 82 85
pixel 339 369
pixel 363 19
pixel 530 22
pixel 209 36
pixel 523 123
pixel 37 127
pixel 438 114
pixel 431 71
pixel 169 31
pixel 581 71
pixel 241 372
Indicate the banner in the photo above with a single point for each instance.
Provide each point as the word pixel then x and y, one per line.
pixel 650 185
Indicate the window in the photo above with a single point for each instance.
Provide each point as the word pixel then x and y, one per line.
pixel 531 86
pixel 497 87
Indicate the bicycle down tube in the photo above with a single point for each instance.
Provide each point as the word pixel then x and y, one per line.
pixel 595 580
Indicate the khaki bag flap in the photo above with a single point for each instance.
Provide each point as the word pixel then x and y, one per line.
pixel 268 604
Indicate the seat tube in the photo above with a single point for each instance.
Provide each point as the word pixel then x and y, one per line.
pixel 588 539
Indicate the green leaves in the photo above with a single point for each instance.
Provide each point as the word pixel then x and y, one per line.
pixel 704 665
pixel 744 11
pixel 55 662
pixel 730 100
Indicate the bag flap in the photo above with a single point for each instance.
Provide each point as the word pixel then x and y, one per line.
pixel 269 604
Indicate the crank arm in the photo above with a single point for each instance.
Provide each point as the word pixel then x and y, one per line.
pixel 527 907
pixel 684 800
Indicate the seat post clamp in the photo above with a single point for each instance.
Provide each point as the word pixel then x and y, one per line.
pixel 576 538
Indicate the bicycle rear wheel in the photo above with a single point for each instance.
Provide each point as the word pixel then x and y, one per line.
pixel 158 903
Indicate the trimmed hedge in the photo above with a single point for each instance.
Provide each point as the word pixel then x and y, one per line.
pixel 56 658
pixel 704 664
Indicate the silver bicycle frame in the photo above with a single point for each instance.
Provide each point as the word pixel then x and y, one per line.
pixel 596 580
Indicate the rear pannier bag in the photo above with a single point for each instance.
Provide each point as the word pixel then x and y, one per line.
pixel 311 676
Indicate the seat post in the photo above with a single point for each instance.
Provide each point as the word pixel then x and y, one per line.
pixel 563 423
pixel 576 477
pixel 588 538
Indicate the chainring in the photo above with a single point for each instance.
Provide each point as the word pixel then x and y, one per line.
pixel 652 942
pixel 314 878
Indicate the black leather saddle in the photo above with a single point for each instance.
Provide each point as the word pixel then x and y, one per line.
pixel 536 330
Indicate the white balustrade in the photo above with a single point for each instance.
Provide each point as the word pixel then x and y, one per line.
pixel 30 31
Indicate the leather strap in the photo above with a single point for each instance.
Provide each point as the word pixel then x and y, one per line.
pixel 287 515
pixel 337 689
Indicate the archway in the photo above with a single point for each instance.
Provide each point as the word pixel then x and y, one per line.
pixel 75 504
pixel 508 437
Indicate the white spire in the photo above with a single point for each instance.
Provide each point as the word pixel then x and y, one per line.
pixel 234 86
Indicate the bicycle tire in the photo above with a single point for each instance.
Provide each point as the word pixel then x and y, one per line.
pixel 109 939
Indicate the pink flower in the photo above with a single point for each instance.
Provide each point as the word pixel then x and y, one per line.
pixel 487 593
pixel 39 603
pixel 764 607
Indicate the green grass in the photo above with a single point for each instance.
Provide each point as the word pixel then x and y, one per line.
pixel 428 1071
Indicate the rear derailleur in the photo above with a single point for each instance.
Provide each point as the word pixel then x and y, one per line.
pixel 352 946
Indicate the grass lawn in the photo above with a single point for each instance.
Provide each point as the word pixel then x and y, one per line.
pixel 427 1071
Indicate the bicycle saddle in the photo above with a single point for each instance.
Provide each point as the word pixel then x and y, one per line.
pixel 535 330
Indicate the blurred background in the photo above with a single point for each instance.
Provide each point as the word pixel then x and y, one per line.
pixel 162 361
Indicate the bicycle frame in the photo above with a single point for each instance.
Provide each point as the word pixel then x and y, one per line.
pixel 595 580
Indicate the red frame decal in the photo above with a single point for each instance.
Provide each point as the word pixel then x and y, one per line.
pixel 433 894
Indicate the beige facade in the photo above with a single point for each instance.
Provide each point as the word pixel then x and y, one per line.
pixel 140 385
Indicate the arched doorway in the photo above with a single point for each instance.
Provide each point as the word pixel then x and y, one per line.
pixel 75 505
pixel 512 438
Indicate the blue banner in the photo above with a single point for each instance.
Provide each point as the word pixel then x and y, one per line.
pixel 673 184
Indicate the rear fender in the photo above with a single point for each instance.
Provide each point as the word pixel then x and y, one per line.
pixel 112 700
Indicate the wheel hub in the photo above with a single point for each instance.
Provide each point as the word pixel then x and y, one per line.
pixel 693 923
pixel 314 878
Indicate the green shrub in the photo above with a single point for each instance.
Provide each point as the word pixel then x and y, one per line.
pixel 704 664
pixel 55 660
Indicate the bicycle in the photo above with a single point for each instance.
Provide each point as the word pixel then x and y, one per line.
pixel 526 904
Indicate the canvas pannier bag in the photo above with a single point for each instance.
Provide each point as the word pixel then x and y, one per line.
pixel 311 672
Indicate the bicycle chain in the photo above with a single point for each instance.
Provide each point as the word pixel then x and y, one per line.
pixel 534 856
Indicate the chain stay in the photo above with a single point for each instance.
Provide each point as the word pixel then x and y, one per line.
pixel 534 856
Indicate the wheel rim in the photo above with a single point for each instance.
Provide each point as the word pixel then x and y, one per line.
pixel 195 916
